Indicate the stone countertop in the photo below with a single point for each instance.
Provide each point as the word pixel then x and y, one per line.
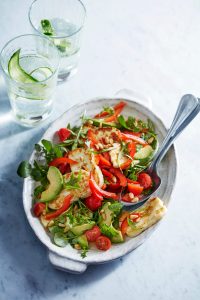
pixel 150 47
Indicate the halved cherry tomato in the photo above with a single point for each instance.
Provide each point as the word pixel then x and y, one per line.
pixel 58 212
pixel 103 243
pixel 93 234
pixel 91 137
pixel 119 175
pixel 104 161
pixel 93 203
pixel 145 180
pixel 63 134
pixel 128 136
pixel 136 189
pixel 38 208
pixel 61 160
pixel 97 190
pixel 124 226
pixel 132 181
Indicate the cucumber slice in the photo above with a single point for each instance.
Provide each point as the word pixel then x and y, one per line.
pixel 16 72
pixel 41 73
pixel 144 153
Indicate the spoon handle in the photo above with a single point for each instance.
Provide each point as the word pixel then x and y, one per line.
pixel 188 108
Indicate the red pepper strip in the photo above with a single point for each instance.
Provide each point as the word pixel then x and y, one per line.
pixel 127 136
pixel 118 109
pixel 126 164
pixel 96 189
pixel 132 149
pixel 133 133
pixel 61 160
pixel 91 137
pixel 119 175
pixel 104 161
pixel 114 186
pixel 107 174
pixel 124 226
pixel 102 114
pixel 106 155
pixel 58 212
pixel 63 134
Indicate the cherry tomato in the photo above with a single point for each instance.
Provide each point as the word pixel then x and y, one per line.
pixel 63 134
pixel 93 203
pixel 103 243
pixel 93 234
pixel 38 208
pixel 145 180
pixel 136 189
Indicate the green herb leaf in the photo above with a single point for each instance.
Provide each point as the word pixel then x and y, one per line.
pixel 73 181
pixel 24 169
pixel 38 190
pixel 38 148
pixel 116 207
pixel 47 27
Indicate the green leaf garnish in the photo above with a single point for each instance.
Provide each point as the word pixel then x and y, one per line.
pixel 72 183
pixel 24 169
pixel 47 27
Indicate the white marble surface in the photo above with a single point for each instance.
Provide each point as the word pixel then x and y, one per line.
pixel 149 46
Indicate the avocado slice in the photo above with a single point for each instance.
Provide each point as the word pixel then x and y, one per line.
pixel 144 153
pixel 80 229
pixel 55 185
pixel 82 241
pixel 118 238
pixel 107 214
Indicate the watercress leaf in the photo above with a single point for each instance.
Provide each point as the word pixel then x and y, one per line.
pixel 47 145
pixel 24 169
pixel 38 148
pixel 38 190
pixel 60 239
pixel 55 229
pixel 84 252
pixel 122 122
pixel 57 150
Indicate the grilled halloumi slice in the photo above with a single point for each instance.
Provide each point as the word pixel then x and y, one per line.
pixel 116 157
pixel 151 212
pixel 107 135
pixel 83 158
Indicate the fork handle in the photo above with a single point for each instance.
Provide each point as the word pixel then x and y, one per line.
pixel 187 110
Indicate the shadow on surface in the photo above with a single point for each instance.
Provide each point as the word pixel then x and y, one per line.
pixel 24 256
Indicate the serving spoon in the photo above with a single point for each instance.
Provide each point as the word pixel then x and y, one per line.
pixel 188 108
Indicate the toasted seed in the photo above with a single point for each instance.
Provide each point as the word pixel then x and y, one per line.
pixel 61 225
pixel 97 146
pixel 102 211
pixel 100 146
pixel 131 195
pixel 138 219
pixel 77 247
pixel 132 217
pixel 135 199
pixel 107 140
pixel 111 141
pixel 150 140
pixel 114 179
pixel 66 229
pixel 50 223
pixel 90 122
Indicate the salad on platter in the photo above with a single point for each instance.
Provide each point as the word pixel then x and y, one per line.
pixel 81 180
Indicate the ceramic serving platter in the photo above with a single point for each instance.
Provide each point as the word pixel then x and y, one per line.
pixel 69 259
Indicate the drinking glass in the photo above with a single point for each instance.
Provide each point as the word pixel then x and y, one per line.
pixel 31 100
pixel 61 21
